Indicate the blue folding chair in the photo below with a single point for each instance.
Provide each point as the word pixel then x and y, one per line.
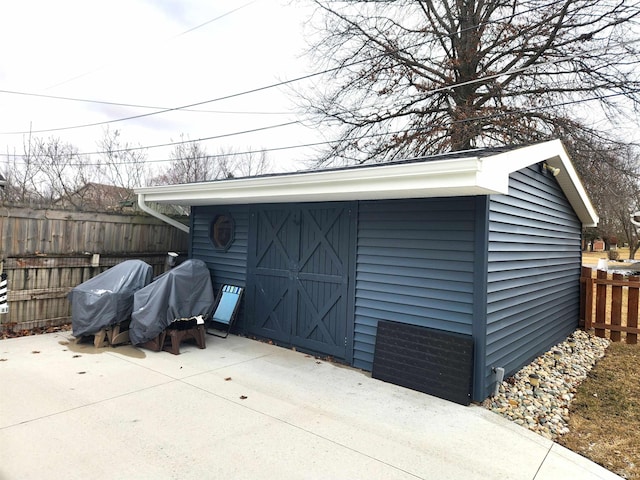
pixel 226 309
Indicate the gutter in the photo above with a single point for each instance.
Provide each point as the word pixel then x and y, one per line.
pixel 146 208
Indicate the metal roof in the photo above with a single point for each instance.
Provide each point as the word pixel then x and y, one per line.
pixel 474 172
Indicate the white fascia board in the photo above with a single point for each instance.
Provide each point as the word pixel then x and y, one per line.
pixel 465 176
pixel 554 154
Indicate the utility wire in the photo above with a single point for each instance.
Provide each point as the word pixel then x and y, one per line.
pixel 129 105
pixel 432 91
pixel 304 77
pixel 174 109
pixel 329 142
pixel 176 36
pixel 259 89
pixel 294 122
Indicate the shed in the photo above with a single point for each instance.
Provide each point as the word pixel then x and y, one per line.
pixel 483 243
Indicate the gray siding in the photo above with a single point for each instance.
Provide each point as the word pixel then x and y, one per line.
pixel 229 266
pixel 414 264
pixel 533 272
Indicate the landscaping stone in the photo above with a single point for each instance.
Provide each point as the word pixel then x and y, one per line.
pixel 545 408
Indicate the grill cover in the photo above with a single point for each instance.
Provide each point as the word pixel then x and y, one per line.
pixel 107 298
pixel 183 292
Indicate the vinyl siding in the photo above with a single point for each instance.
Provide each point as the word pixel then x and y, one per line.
pixel 226 266
pixel 533 272
pixel 414 264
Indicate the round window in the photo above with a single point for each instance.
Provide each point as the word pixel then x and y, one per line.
pixel 221 231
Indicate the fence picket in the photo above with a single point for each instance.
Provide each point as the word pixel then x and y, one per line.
pixel 616 307
pixel 632 312
pixel 601 301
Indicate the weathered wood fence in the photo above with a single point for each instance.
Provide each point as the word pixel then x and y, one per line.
pixel 46 253
pixel 609 303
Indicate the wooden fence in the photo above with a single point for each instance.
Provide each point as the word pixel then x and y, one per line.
pixel 46 253
pixel 610 304
pixel 28 231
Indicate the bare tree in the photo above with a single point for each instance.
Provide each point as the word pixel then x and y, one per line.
pixel 192 163
pixel 123 165
pixel 21 173
pixel 63 170
pixel 611 174
pixel 418 77
pixel 46 172
pixel 233 164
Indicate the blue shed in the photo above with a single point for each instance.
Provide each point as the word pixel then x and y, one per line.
pixel 484 243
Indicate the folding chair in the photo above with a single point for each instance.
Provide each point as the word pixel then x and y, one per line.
pixel 226 308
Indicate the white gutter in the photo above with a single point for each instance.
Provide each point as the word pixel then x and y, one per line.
pixel 146 208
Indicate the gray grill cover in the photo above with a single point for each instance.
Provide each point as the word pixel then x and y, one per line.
pixel 107 298
pixel 183 292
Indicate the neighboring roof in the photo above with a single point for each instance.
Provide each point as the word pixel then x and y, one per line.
pixel 475 172
pixel 97 196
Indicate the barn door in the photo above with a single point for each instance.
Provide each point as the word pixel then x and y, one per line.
pixel 299 277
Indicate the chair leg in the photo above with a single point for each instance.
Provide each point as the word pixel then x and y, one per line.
pixel 201 340
pixel 174 342
pixel 118 334
pixel 100 339
pixel 155 344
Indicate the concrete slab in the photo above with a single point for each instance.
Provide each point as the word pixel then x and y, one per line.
pixel 244 409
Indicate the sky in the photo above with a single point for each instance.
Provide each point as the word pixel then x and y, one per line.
pixel 165 54
pixel 159 53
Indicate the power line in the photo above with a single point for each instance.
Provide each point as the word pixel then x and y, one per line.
pixel 219 17
pixel 483 79
pixel 328 142
pixel 259 89
pixel 432 91
pixel 174 109
pixel 176 36
pixel 128 105
pixel 183 142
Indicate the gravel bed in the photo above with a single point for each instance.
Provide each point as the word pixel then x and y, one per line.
pixel 545 408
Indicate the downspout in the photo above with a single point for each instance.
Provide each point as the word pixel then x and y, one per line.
pixel 146 208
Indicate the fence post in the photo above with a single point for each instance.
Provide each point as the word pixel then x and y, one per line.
pixel 588 297
pixel 601 303
pixel 585 274
pixel 632 308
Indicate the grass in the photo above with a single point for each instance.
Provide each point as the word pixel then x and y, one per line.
pixel 605 413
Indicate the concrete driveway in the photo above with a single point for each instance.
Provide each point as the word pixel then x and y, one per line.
pixel 243 409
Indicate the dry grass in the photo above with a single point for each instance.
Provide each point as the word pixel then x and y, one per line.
pixel 605 414
pixel 591 258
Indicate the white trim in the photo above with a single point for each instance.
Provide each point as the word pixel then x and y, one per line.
pixel 463 176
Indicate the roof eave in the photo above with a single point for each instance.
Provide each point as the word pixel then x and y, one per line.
pixel 436 178
pixel 428 179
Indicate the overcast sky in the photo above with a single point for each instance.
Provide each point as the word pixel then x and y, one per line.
pixel 143 52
